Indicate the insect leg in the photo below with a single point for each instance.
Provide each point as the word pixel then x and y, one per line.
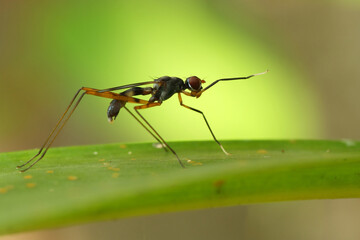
pixel 157 139
pixel 116 105
pixel 198 111
pixel 149 105
pixel 48 142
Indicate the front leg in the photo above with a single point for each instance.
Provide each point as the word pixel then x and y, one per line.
pixel 190 94
pixel 198 111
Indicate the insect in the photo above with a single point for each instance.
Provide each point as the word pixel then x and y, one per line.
pixel 163 88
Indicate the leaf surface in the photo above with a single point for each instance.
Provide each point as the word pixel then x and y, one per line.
pixel 91 183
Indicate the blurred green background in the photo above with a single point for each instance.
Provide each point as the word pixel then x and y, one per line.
pixel 49 49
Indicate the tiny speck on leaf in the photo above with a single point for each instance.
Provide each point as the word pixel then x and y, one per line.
pixel 218 185
pixel 115 175
pixel 122 146
pixel 348 142
pixel 96 153
pixel 102 160
pixel 157 145
pixel 129 152
pixel 50 171
pixel 27 177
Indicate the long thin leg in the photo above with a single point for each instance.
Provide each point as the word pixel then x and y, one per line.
pixel 198 111
pixel 48 142
pixel 149 105
pixel 157 139
pixel 113 111
pixel 52 132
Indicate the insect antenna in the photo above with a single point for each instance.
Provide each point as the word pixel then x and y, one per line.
pixel 230 79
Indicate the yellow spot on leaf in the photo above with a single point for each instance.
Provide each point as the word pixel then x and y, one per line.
pixel 30 185
pixel 72 178
pixel 102 160
pixel 50 171
pixel 28 177
pixel 122 146
pixel 262 151
pixel 114 169
pixel 6 189
pixel 3 190
pixel 115 175
pixel 194 163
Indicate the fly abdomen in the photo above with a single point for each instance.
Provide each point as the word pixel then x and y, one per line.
pixel 116 105
pixel 114 108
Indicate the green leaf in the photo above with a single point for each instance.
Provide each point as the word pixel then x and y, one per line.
pixel 92 183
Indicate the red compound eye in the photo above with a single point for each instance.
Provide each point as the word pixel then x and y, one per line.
pixel 194 83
